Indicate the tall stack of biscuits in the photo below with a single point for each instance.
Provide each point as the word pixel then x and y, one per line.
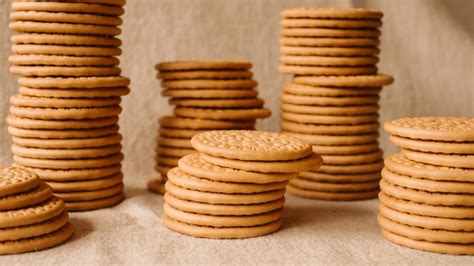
pixel 235 186
pixel 31 218
pixel 427 197
pixel 332 101
pixel 64 121
pixel 207 95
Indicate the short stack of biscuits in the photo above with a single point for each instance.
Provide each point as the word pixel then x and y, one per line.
pixel 235 186
pixel 427 197
pixel 31 218
pixel 64 121
pixel 332 101
pixel 207 95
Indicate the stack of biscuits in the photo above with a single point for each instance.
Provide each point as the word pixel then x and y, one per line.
pixel 64 121
pixel 235 186
pixel 332 101
pixel 31 218
pixel 427 197
pixel 207 95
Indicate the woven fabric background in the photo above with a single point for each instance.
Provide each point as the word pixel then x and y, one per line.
pixel 427 45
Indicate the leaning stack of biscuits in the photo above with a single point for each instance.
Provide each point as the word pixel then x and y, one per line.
pixel 64 121
pixel 427 197
pixel 234 186
pixel 332 101
pixel 31 218
pixel 207 95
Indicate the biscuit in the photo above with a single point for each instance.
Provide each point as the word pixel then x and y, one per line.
pixel 179 133
pixel 64 50
pixel 26 123
pixel 456 129
pixel 332 33
pixel 37 195
pixel 37 243
pixel 329 51
pixel 297 89
pixel 328 140
pixel 203 65
pixel 64 71
pixel 398 163
pixel 75 93
pixel 209 84
pixel 87 8
pixel 329 101
pixel 450 160
pixel 40 102
pixel 222 221
pixel 425 209
pixel 185 180
pixel 323 195
pixel 65 113
pixel 209 94
pixel 68 164
pixel 66 175
pixel 353 159
pixel 306 60
pixel 332 13
pixel 334 187
pixel 63 39
pixel 64 153
pixel 163 169
pixel 220 103
pixel 155 185
pixel 327 71
pixel 330 119
pixel 349 81
pixel 329 42
pixel 195 165
pixel 188 123
pixel 68 143
pixel 433 146
pixel 425 234
pixel 86 185
pixel 428 185
pixel 221 198
pixel 89 205
pixel 63 28
pixel 427 222
pixel 204 74
pixel 166 160
pixel 54 60
pixel 41 212
pixel 90 195
pixel 311 162
pixel 173 152
pixel 346 149
pixel 34 230
pixel 447 248
pixel 352 169
pixel 16 180
pixel 221 233
pixel 222 114
pixel 223 209
pixel 430 198
pixel 73 83
pixel 252 145
pixel 330 23
pixel 340 178
pixel 328 129
pixel 174 142
pixel 65 18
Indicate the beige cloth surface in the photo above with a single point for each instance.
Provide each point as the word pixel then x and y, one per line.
pixel 427 45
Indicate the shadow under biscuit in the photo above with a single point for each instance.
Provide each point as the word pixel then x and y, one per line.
pixel 82 227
